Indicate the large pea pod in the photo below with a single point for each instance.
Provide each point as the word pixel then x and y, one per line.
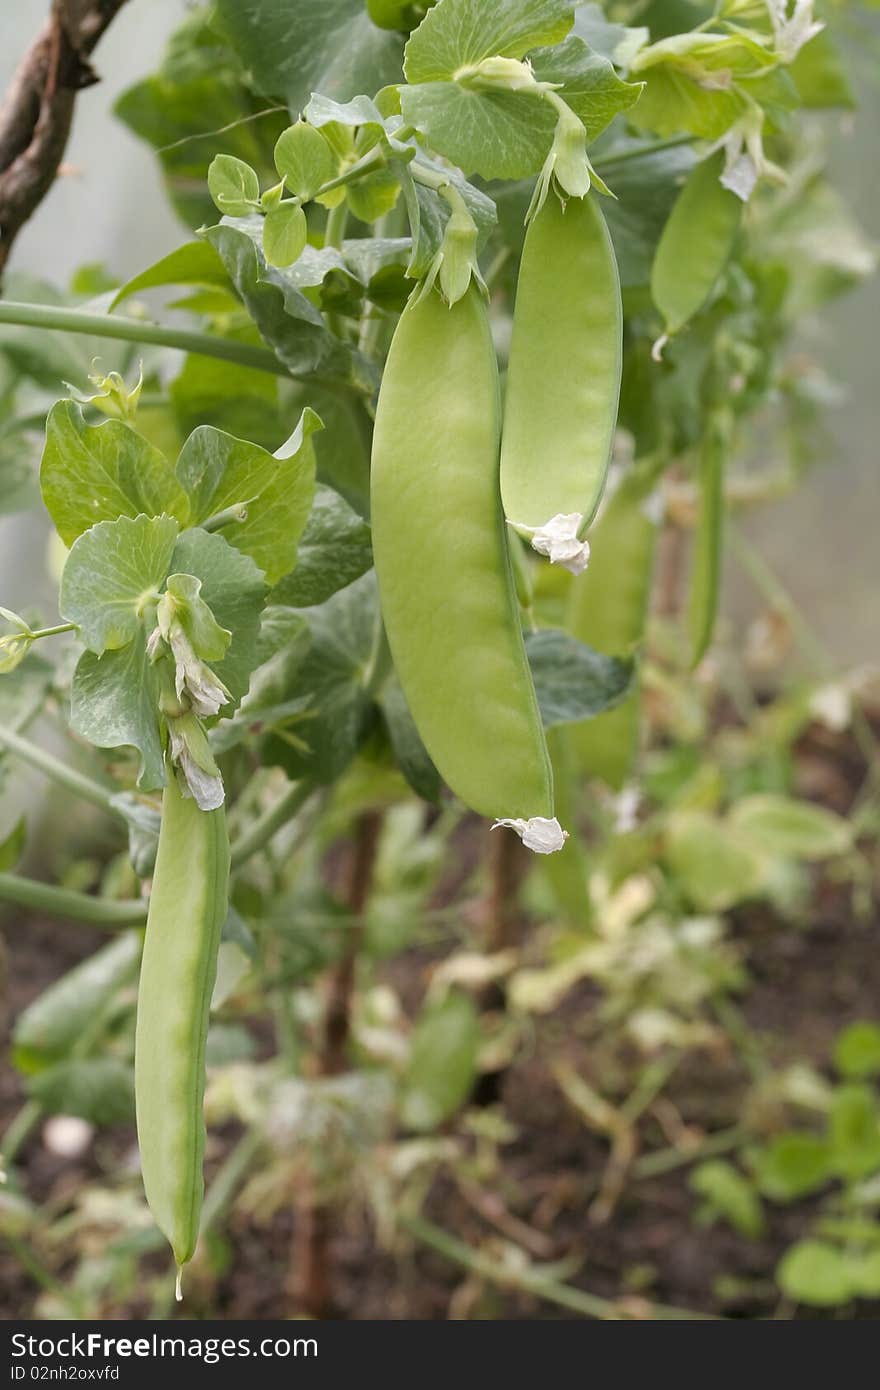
pixel 608 609
pixel 187 909
pixel 695 245
pixel 705 579
pixel 443 562
pixel 566 354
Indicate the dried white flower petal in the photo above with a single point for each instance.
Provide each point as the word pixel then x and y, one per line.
pixel 205 788
pixel 539 834
pixel 558 540
pixel 792 31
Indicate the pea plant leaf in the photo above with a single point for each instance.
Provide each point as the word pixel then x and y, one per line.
pixel 457 33
pixel 194 263
pixel 330 46
pixel 111 572
pixel 93 473
pixel 114 704
pixel 291 325
pixel 572 681
pixel 442 1062
pixel 220 472
pixel 792 829
pixel 333 552
pixel 506 134
pixel 235 591
pixel 326 687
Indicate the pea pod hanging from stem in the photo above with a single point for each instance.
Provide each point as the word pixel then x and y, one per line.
pixel 188 906
pixel 709 537
pixel 444 571
pixel 563 381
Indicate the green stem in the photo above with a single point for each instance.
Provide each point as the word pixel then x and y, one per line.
pixel 53 631
pixel 76 782
pixel 64 902
pixel 228 1178
pixel 667 1160
pixel 337 221
pixel 128 330
pixel 236 513
pixel 270 822
pixel 17 1131
pixel 657 147
pixel 535 1282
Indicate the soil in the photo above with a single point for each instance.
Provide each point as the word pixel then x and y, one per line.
pixel 804 985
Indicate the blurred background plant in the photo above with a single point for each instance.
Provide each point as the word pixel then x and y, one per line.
pixel 445 1081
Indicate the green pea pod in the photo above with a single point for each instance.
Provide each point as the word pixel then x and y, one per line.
pixel 443 564
pixel 695 245
pixel 709 538
pixel 187 909
pixel 563 381
pixel 53 1024
pixel 608 609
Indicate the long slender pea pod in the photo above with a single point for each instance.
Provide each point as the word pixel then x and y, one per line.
pixel 563 382
pixel 187 909
pixel 443 563
pixel 705 583
pixel 695 245
pixel 608 609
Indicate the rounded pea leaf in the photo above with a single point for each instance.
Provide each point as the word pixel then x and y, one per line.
pixel 285 232
pixel 857 1051
pixel 712 865
pixel 304 159
pixel 233 185
pixel 459 33
pixel 93 473
pixel 791 829
pixel 816 1272
pixel 112 572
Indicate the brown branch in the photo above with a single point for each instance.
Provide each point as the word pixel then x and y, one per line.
pixel 37 111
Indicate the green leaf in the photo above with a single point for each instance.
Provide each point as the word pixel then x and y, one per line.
pixel 442 1063
pixel 496 134
pixel 23 693
pixel 854 1128
pixel 325 688
pixel 195 263
pixel 330 46
pixel 572 681
pixel 713 868
pixel 100 1090
pixel 589 83
pixel 727 1194
pixel 233 185
pixel 93 473
pixel 292 326
pixel 285 232
pixel 240 400
pixel 114 703
pixel 460 33
pixel 304 159
pixel 411 754
pixel 817 1273
pixel 334 550
pixel 111 573
pixel 792 829
pixel 359 114
pixel 820 76
pixel 235 591
pixel 857 1051
pixel 793 1165
pixel 54 1022
pixel 864 1273
pixel 220 472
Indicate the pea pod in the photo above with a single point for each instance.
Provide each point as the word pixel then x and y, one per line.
pixel 443 564
pixel 563 381
pixel 709 537
pixel 608 609
pixel 187 909
pixel 695 245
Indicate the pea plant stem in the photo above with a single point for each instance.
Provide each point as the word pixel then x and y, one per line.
pixel 52 767
pixel 111 914
pixel 539 1284
pixel 128 330
pixel 261 832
